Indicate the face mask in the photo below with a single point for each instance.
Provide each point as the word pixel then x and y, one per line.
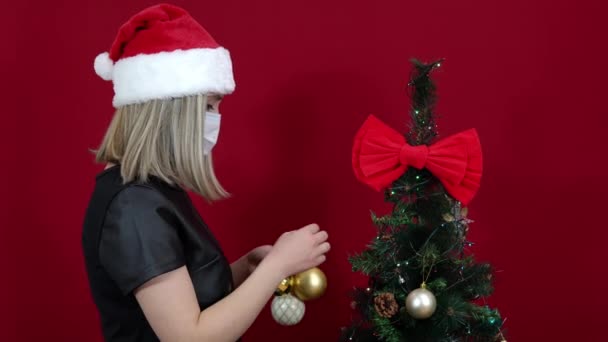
pixel 212 131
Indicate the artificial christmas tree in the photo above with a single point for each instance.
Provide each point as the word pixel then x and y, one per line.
pixel 424 285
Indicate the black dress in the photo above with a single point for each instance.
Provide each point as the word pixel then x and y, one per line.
pixel 137 231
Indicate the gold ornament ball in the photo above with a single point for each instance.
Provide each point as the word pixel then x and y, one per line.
pixel 421 303
pixel 285 286
pixel 310 284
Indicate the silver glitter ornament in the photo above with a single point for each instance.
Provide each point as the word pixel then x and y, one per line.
pixel 287 309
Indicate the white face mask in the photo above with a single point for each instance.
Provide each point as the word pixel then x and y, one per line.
pixel 212 131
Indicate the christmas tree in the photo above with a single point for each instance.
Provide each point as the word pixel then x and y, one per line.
pixel 424 284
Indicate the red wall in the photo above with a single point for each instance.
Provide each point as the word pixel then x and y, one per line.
pixel 529 75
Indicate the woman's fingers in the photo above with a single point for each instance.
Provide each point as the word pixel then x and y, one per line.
pixel 321 237
pixel 323 248
pixel 312 228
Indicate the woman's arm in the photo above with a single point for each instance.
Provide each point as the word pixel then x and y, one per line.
pixel 170 305
pixel 243 267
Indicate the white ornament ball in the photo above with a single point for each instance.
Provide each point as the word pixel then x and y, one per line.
pixel 421 303
pixel 287 309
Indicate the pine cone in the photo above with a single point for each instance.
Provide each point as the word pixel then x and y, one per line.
pixel 386 305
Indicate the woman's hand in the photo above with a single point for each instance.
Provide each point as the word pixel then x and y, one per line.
pixel 255 256
pixel 299 250
pixel 242 268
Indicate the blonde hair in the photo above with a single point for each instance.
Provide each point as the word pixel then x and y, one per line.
pixel 163 138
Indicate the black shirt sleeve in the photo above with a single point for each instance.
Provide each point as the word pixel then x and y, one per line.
pixel 139 239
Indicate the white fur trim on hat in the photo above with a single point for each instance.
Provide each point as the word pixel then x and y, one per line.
pixel 104 66
pixel 172 74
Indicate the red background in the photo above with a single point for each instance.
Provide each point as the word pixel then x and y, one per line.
pixel 529 75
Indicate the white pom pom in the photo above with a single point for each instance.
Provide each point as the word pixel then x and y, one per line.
pixel 104 66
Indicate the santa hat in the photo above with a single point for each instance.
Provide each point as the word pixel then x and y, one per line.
pixel 162 52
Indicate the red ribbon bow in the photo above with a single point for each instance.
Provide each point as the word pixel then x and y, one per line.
pixel 381 155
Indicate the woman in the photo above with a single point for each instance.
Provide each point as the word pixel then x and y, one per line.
pixel 155 270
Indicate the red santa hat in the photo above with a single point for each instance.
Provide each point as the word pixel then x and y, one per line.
pixel 162 52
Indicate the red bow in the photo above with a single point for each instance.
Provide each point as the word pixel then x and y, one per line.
pixel 381 155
